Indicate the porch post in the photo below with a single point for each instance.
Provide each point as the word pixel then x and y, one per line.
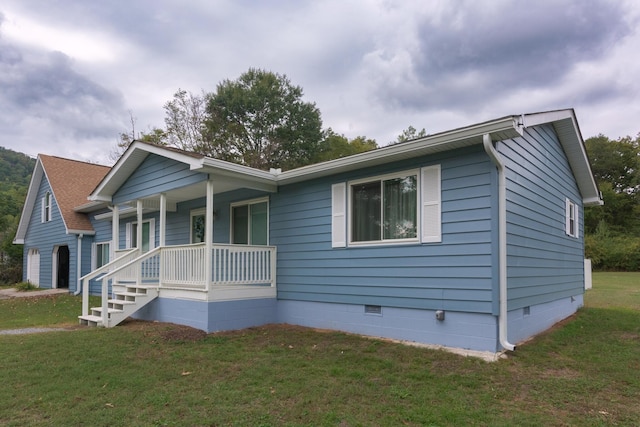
pixel 163 218
pixel 139 238
pixel 115 230
pixel 139 228
pixel 208 235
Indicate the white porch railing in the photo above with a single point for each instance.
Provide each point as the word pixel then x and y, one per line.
pixel 244 265
pixel 122 257
pixel 184 267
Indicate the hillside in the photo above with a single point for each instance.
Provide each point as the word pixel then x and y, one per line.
pixel 15 173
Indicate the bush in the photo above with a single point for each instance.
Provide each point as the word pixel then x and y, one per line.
pixel 610 251
pixel 26 286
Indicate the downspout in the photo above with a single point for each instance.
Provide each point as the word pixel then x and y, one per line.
pixel 79 267
pixel 502 240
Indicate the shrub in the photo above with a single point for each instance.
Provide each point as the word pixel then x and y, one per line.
pixel 26 286
pixel 610 251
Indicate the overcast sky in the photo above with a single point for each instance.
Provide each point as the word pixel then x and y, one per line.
pixel 70 71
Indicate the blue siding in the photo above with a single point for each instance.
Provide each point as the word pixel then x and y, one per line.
pixel 46 236
pixel 544 264
pixel 453 275
pixel 156 174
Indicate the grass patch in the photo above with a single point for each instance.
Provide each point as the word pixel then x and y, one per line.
pixel 51 310
pixel 584 372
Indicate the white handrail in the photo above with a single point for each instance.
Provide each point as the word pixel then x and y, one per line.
pixel 124 258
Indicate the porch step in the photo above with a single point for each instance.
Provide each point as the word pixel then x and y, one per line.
pixel 90 320
pixel 122 305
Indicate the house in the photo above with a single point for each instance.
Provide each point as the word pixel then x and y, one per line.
pixel 57 237
pixel 471 238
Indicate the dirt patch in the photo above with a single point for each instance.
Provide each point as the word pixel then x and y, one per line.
pixel 169 332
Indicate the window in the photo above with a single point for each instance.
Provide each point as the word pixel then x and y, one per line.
pixel 198 221
pixel 571 218
pixel 148 235
pixel 385 209
pixel 395 208
pixel 101 254
pixel 46 207
pixel 249 222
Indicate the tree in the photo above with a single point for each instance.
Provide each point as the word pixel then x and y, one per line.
pixel 185 120
pixel 616 167
pixel 154 136
pixel 335 146
pixel 409 134
pixel 260 120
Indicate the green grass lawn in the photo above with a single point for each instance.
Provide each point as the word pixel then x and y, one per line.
pixel 583 372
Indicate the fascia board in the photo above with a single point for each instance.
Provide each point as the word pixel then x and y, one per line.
pixel 129 161
pixel 507 126
pixel 29 203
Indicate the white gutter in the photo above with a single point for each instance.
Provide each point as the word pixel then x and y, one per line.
pixel 79 267
pixel 502 240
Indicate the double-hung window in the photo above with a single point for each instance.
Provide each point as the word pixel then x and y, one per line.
pixel 101 254
pixel 571 218
pixel 148 235
pixel 250 222
pixel 384 209
pixel 46 207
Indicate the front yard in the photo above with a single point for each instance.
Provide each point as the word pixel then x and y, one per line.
pixel 583 372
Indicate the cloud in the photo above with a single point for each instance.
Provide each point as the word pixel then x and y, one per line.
pixel 468 52
pixel 46 102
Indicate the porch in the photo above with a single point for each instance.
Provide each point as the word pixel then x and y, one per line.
pixel 134 279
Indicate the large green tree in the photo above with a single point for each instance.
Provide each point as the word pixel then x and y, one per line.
pixel 260 120
pixel 336 146
pixel 616 167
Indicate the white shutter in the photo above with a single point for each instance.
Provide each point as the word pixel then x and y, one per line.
pixel 430 215
pixel 576 211
pixel 43 210
pixel 339 215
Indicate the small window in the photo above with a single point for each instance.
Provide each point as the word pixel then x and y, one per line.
pixel 250 222
pixel 571 218
pixel 102 254
pixel 385 209
pixel 148 235
pixel 46 207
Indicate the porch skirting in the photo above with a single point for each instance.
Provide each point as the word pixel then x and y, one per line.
pixel 211 316
pixel 468 331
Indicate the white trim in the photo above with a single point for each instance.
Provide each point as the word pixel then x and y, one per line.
pixel 381 179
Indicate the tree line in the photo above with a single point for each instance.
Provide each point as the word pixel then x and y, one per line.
pixel 258 120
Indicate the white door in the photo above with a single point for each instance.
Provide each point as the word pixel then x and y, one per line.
pixel 33 267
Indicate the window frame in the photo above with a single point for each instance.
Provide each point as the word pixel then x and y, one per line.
pixel 247 203
pixel 381 178
pixel 572 224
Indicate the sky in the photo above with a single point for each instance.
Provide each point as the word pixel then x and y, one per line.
pixel 74 72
